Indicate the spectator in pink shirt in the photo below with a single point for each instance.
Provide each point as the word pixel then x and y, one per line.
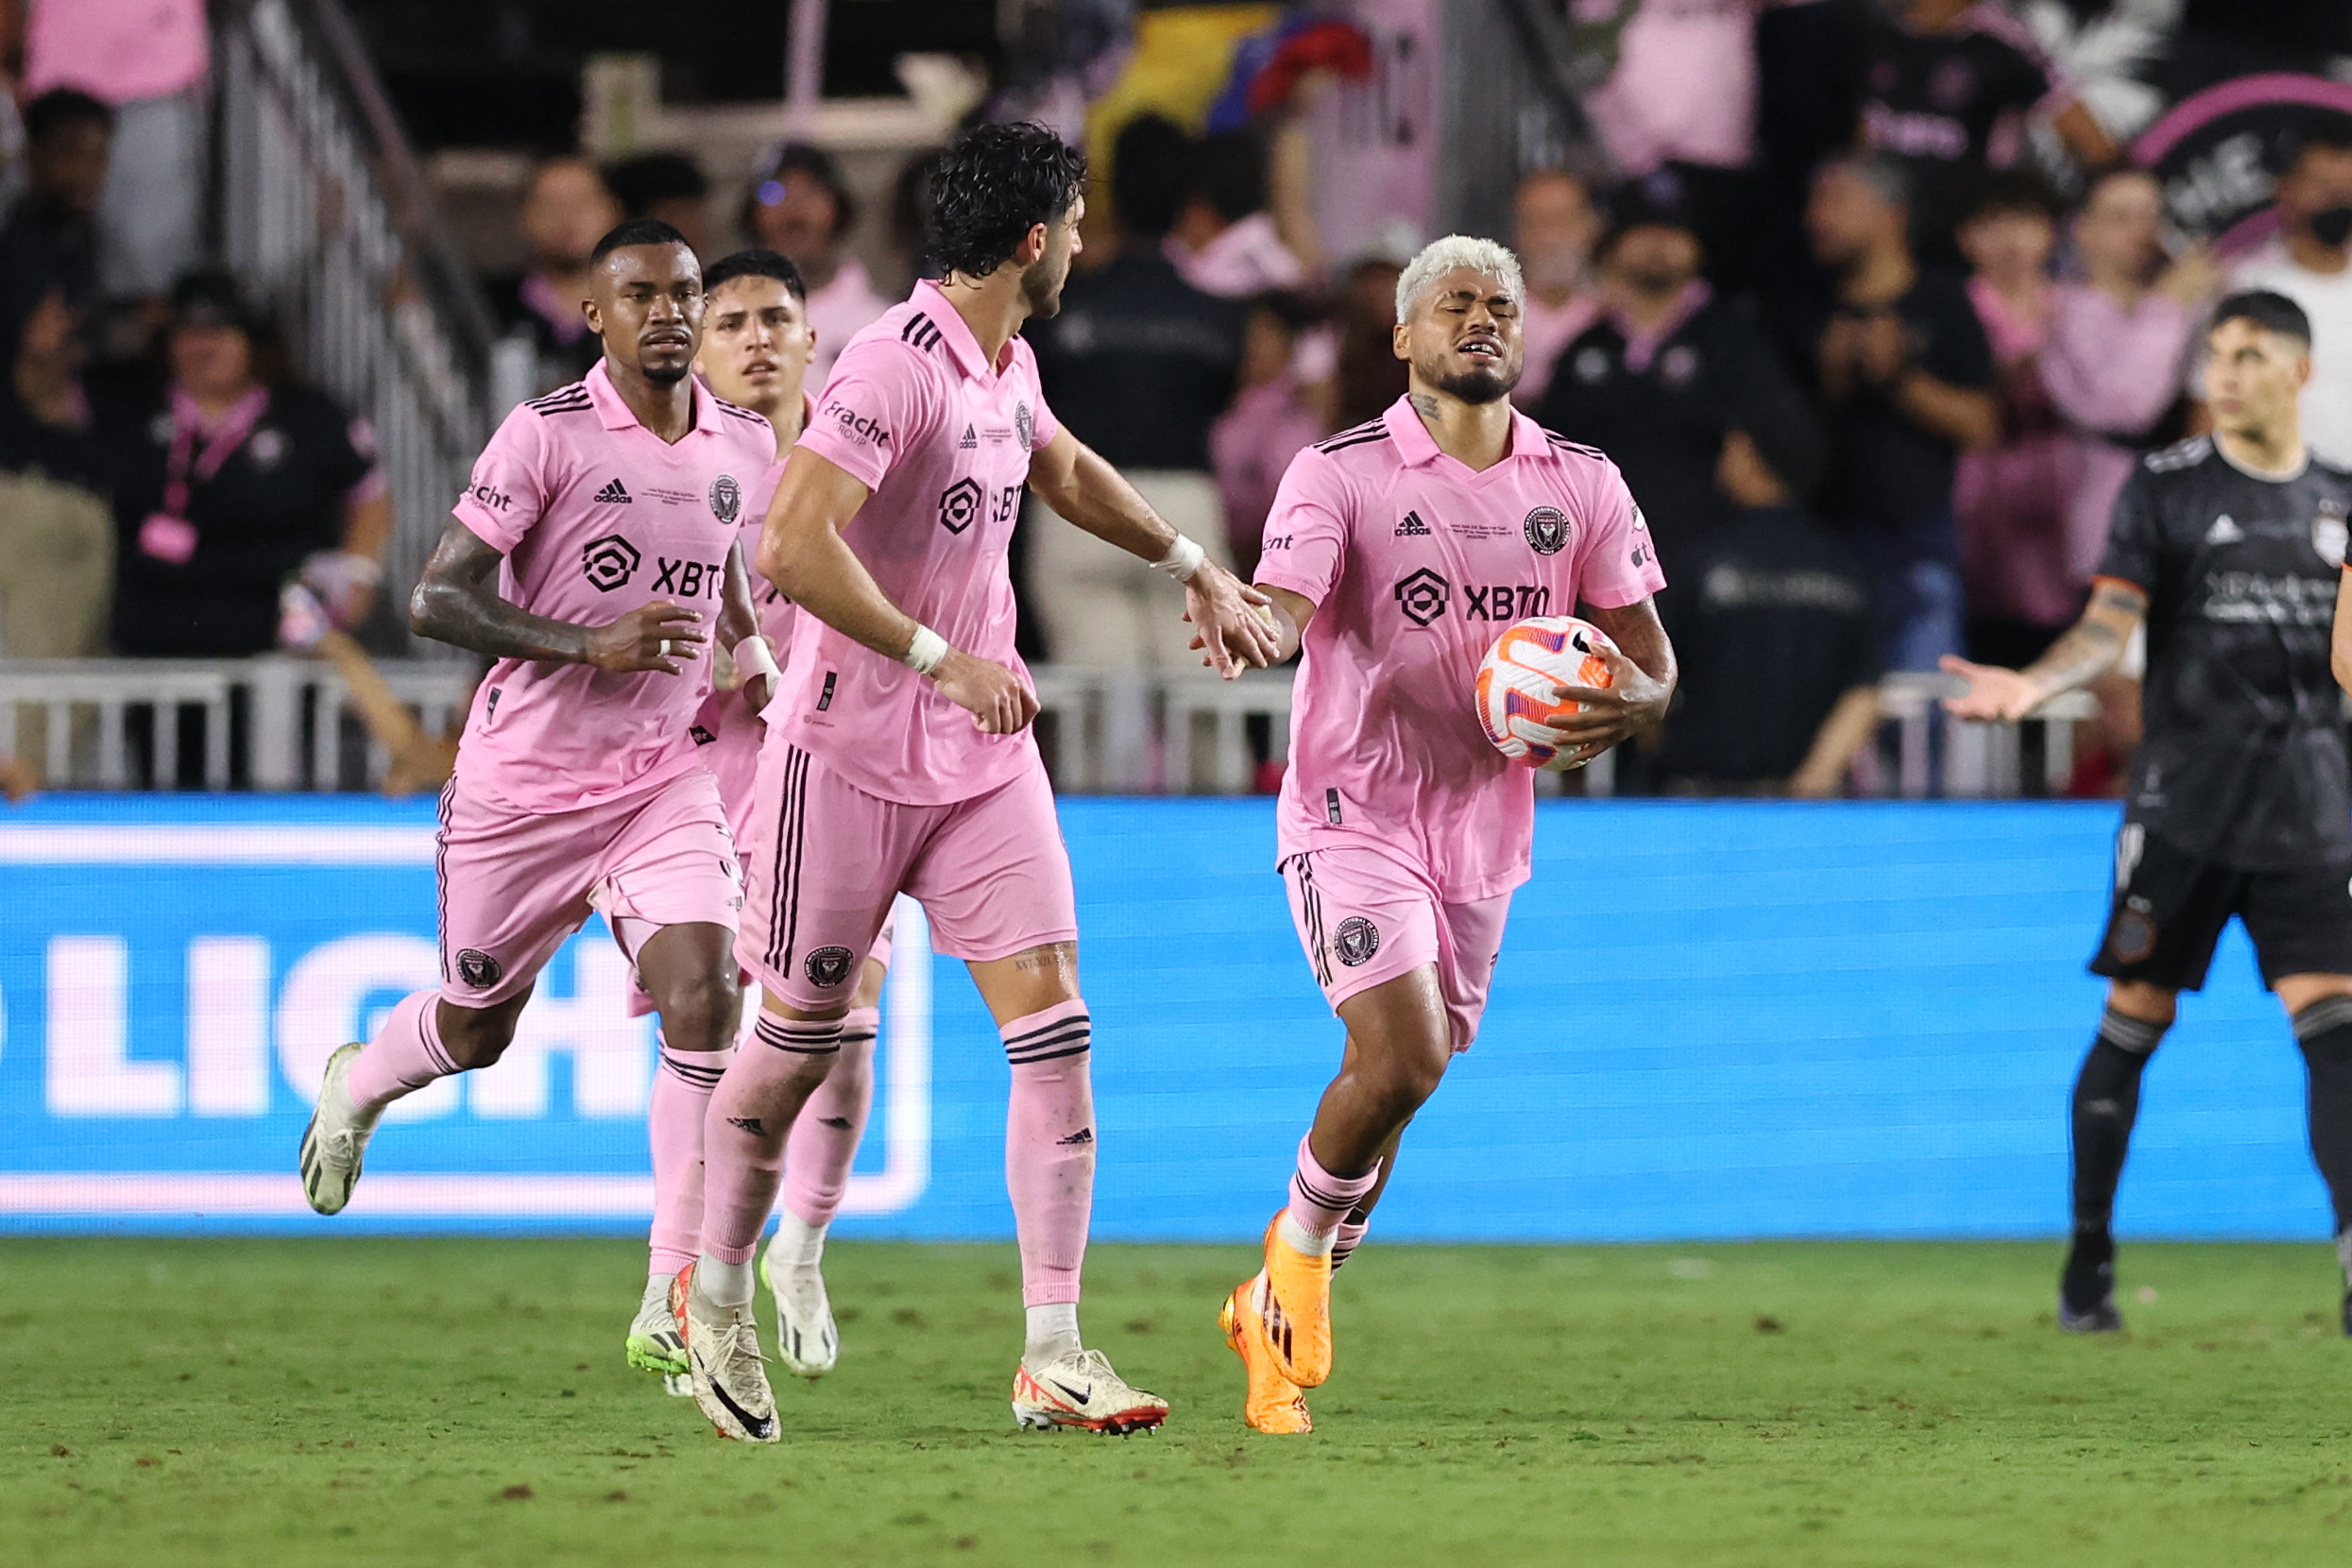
pixel 148 60
pixel 801 209
pixel 2089 371
pixel 1225 240
pixel 1276 415
pixel 2118 342
pixel 1553 227
pixel 2009 498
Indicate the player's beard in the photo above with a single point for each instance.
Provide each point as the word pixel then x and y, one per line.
pixel 665 375
pixel 1041 286
pixel 1480 385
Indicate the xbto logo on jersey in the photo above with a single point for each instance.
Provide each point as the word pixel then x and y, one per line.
pixel 1356 940
pixel 609 562
pixel 959 504
pixel 689 578
pixel 829 967
pixel 726 498
pixel 1423 596
pixel 1505 601
pixel 1547 530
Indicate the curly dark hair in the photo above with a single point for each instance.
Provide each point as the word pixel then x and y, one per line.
pixel 993 186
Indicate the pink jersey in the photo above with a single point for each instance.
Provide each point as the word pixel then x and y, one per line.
pixel 597 515
pixel 942 440
pixel 1416 564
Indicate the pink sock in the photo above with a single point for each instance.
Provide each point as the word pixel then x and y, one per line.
pixel 743 1134
pixel 682 1082
pixel 406 1057
pixel 1050 1147
pixel 1318 1199
pixel 824 1143
pixel 1350 1238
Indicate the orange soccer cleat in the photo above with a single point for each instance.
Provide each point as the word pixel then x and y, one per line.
pixel 1298 1309
pixel 1273 1403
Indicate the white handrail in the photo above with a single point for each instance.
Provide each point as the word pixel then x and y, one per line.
pixel 1120 732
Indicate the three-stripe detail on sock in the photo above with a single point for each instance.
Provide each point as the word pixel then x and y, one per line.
pixel 803 1036
pixel 1067 1036
pixel 697 1069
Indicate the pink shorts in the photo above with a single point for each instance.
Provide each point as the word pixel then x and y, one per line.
pixel 516 884
pixel 1366 918
pixel 823 859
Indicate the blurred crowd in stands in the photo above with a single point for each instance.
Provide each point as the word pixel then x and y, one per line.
pixel 1862 299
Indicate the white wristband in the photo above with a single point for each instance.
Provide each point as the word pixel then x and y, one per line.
pixel 1182 559
pixel 924 654
pixel 753 658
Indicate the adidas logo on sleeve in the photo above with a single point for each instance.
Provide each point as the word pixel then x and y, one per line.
pixel 614 494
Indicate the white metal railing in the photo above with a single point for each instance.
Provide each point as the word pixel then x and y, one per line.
pixel 1936 754
pixel 296 715
pixel 323 211
pixel 1118 732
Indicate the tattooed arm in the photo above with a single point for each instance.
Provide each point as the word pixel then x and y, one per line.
pixel 456 601
pixel 2087 649
pixel 1641 682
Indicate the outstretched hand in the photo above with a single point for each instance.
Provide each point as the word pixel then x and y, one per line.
pixel 1231 624
pixel 1993 693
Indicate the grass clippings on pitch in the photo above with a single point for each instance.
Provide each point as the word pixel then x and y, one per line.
pixel 451 1403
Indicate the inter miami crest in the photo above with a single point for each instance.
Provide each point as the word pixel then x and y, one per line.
pixel 478 969
pixel 2329 533
pixel 1547 530
pixel 1356 940
pixel 829 967
pixel 726 498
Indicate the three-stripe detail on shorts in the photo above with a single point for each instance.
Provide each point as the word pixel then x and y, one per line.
pixel 1311 906
pixel 784 889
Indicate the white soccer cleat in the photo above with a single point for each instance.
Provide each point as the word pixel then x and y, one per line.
pixel 1079 1389
pixel 730 1382
pixel 336 1141
pixel 653 1344
pixel 806 1341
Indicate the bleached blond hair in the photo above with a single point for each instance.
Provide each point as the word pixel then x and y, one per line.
pixel 1439 257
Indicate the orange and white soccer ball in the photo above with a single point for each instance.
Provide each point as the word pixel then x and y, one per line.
pixel 1516 707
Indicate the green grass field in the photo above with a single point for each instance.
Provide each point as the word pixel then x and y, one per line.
pixel 445 1403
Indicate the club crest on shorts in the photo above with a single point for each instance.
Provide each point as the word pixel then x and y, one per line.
pixel 726 498
pixel 1023 424
pixel 609 562
pixel 478 969
pixel 829 967
pixel 1356 940
pixel 2131 934
pixel 2329 533
pixel 1547 530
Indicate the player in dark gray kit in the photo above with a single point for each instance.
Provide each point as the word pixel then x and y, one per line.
pixel 2230 549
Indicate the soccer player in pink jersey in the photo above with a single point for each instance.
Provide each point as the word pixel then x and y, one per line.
pixel 899 760
pixel 1395 554
pixel 590 553
pixel 754 354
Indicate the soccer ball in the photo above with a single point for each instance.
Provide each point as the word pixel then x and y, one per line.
pixel 1514 692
